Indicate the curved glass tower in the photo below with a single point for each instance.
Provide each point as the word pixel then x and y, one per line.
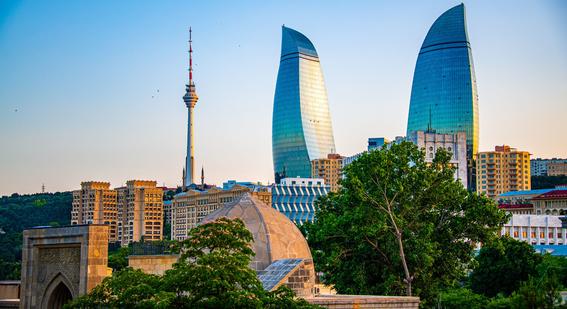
pixel 444 96
pixel 301 124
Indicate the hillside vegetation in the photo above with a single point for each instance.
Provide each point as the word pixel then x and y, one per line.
pixel 19 212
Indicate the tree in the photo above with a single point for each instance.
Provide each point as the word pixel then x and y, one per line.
pixel 547 182
pixel 19 212
pixel 503 265
pixel 399 225
pixel 461 299
pixel 212 272
pixel 118 259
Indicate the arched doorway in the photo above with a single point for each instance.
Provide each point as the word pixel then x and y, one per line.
pixel 60 296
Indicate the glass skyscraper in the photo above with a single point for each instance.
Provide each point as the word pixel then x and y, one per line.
pixel 444 96
pixel 301 124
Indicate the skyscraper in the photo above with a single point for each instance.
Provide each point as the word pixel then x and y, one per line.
pixel 190 98
pixel 301 126
pixel 444 96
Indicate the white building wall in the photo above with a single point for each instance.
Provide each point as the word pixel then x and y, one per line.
pixel 536 229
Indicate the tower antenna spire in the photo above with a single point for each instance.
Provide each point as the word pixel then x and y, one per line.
pixel 190 57
pixel 190 98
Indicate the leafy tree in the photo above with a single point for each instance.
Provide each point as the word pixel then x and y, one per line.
pixel 399 225
pixel 118 260
pixel 212 272
pixel 19 212
pixel 547 182
pixel 461 299
pixel 503 265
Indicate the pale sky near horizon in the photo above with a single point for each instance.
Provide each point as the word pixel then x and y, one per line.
pixel 79 82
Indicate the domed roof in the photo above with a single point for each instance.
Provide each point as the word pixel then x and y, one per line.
pixel 275 236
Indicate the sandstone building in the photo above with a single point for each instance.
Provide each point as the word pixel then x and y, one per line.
pixel 502 170
pixel 329 169
pixel 95 203
pixel 132 212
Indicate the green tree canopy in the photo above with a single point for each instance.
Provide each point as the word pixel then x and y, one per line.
pixel 503 265
pixel 399 225
pixel 212 272
pixel 19 212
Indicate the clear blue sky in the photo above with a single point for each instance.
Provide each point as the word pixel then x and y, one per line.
pixel 81 75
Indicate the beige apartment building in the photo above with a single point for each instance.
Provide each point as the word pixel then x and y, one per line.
pixel 329 169
pixel 142 208
pixel 557 169
pixel 502 170
pixel 190 207
pixel 95 203
pixel 133 212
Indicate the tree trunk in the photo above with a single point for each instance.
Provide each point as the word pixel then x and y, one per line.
pixel 408 278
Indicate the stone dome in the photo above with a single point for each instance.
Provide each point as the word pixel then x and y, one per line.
pixel 275 236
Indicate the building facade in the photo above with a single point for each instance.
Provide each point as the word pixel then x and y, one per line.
pixel 519 202
pixel 132 212
pixel 553 202
pixel 190 207
pixel 301 124
pixel 377 142
pixel 295 197
pixel 143 211
pixel 430 142
pixel 329 169
pixel 557 169
pixel 535 230
pixel 502 170
pixel 95 203
pixel 539 166
pixel 444 94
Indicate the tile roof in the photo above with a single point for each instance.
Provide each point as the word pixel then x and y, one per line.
pixel 552 195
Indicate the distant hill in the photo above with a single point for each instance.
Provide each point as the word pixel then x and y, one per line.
pixel 19 212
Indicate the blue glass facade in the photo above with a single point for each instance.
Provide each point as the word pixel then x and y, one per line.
pixel 444 95
pixel 301 124
pixel 295 198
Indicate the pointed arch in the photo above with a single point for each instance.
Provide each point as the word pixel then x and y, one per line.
pixel 59 291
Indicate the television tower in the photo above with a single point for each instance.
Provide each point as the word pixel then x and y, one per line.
pixel 190 98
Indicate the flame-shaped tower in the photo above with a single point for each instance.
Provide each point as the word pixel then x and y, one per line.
pixel 190 98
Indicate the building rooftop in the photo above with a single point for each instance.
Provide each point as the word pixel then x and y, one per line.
pixel 275 236
pixel 526 192
pixel 552 195
pixel 555 250
pixel 514 206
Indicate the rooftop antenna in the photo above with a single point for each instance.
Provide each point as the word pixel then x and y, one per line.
pixel 429 124
pixel 190 58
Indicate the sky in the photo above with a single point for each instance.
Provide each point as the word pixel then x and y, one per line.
pixel 92 90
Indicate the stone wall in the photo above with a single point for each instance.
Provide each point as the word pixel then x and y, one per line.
pixel 62 262
pixel 365 302
pixel 152 264
pixel 10 289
